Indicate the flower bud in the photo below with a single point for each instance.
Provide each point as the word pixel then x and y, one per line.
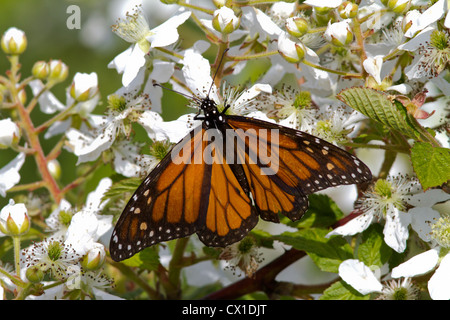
pixel 84 86
pixel 58 71
pixel 9 133
pixel 297 26
pixel 95 257
pixel 410 18
pixel 54 168
pixel 399 6
pixel 291 51
pixel 348 10
pixel 40 70
pixel 14 41
pixel 14 219
pixel 34 274
pixel 225 21
pixel 339 33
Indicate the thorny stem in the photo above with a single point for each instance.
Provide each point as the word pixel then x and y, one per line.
pixel 31 133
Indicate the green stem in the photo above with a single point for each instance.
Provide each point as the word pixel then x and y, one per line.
pixel 253 56
pixel 175 267
pixel 342 73
pixel 16 242
pixel 171 53
pixel 397 148
pixel 191 6
pixel 60 116
pixel 126 271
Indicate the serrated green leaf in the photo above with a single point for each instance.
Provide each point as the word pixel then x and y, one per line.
pixel 431 164
pixel 322 213
pixel 377 106
pixel 146 259
pixel 342 291
pixel 373 251
pixel 327 253
pixel 121 187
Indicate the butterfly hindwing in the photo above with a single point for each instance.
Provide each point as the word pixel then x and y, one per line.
pixel 301 164
pixel 230 215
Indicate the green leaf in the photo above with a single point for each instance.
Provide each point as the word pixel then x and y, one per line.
pixel 121 187
pixel 373 251
pixel 322 213
pixel 327 253
pixel 146 259
pixel 431 164
pixel 377 106
pixel 342 291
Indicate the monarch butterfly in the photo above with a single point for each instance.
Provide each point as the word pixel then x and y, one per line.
pixel 221 200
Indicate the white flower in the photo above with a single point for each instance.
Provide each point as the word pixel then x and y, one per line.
pixel 14 41
pixel 224 20
pixel 89 145
pixel 9 174
pixel 339 33
pixel 84 86
pixel 9 133
pixel 321 3
pixel 161 73
pixel 429 16
pixel 87 226
pixel 336 125
pixel 197 75
pixel 135 30
pixel 399 290
pixel 59 220
pixel 433 54
pixel 14 219
pixel 243 255
pixel 128 161
pixel 290 50
pixel 359 276
pixel 293 108
pixel 50 255
pixel 373 67
pixel 437 258
pixel 389 201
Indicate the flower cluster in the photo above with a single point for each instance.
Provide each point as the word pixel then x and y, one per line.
pixel 368 76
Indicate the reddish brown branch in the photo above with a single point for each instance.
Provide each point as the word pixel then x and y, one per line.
pixel 263 279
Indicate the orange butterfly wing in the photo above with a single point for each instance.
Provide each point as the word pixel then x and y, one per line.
pixel 184 195
pixel 302 164
pixel 169 202
pixel 230 215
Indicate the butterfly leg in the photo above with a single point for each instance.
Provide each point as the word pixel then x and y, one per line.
pixel 225 109
pixel 199 116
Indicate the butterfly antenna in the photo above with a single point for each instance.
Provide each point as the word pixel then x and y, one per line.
pixel 156 84
pixel 215 74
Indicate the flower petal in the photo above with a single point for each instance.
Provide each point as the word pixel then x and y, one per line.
pixel 166 33
pixel 396 229
pixel 9 174
pixel 354 226
pixel 417 265
pixel 439 284
pixel 359 276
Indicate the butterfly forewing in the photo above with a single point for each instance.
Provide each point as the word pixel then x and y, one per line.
pixel 168 204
